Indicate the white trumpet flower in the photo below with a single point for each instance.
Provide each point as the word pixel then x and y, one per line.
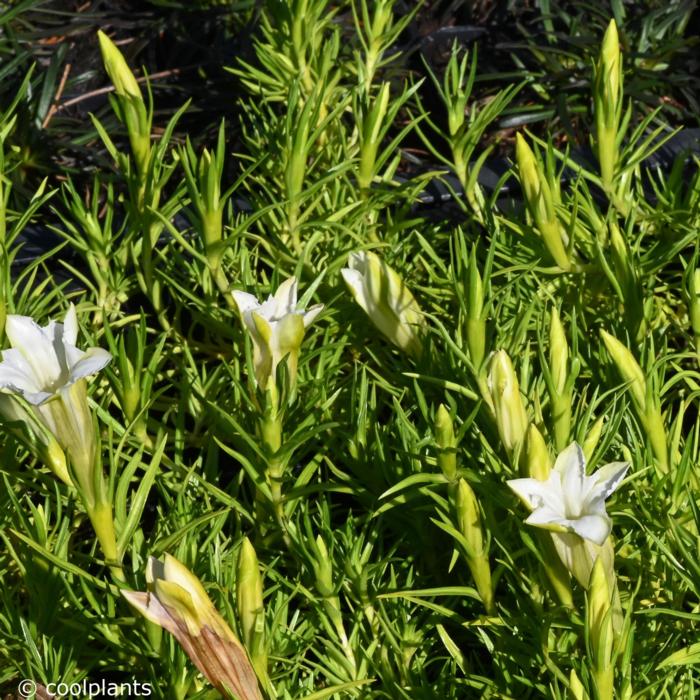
pixel 45 367
pixel 569 501
pixel 44 361
pixel 276 327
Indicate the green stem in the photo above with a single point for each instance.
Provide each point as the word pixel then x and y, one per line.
pixel 103 523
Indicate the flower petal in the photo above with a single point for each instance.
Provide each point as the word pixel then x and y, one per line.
pixel 37 348
pixel 16 373
pixel 311 313
pixel 92 361
pixel 70 326
pixel 609 477
pixel 541 517
pixel 245 302
pixel 571 465
pixel 594 528
pixel 539 494
pixel 286 298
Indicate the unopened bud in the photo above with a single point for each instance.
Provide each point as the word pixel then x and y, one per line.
pixel 511 417
pixel 445 439
pixel 538 460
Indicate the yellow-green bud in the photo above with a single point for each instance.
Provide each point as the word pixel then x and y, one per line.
pixel 593 438
pixel 469 518
pixel 249 597
pixel 607 101
pixel 560 373
pixel 540 202
pixel 476 324
pixel 537 457
pixel 323 569
pixel 599 621
pixel 446 442
pixel 134 111
pixel 117 68
pixel 511 417
pixel 576 689
pixel 558 353
pixel 628 368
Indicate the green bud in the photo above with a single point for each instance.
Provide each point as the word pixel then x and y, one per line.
pixel 136 118
pixel 469 518
pixel 469 525
pixel 593 438
pixel 446 442
pixel 476 323
pixel 599 621
pixel 694 301
pixel 607 100
pixel 537 457
pixel 629 369
pixel 323 569
pixel 120 74
pixel 371 136
pixel 576 688
pixel 511 417
pixel 540 202
pixel 560 388
pixel 558 353
pixel 250 605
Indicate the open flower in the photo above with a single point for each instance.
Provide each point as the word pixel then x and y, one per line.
pixel 276 327
pixel 570 501
pixel 386 299
pixel 177 602
pixel 44 361
pixel 46 368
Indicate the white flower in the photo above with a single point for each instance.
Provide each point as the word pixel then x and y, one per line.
pixel 276 327
pixel 386 299
pixel 44 361
pixel 569 501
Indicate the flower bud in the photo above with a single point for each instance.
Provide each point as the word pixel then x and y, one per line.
pixel 599 621
pixel 388 302
pixel 537 458
pixel 558 353
pixel 694 303
pixel 249 594
pixel 469 525
pixel 177 601
pixel 628 367
pixel 511 417
pixel 133 107
pixel 578 692
pixel 119 72
pixel 694 298
pixel 446 442
pixel 540 202
pixel 476 323
pixel 323 569
pixel 561 379
pixel 593 438
pixel 607 100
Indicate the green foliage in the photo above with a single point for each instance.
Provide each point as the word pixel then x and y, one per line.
pixel 393 558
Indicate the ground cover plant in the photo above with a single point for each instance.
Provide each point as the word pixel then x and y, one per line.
pixel 278 422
